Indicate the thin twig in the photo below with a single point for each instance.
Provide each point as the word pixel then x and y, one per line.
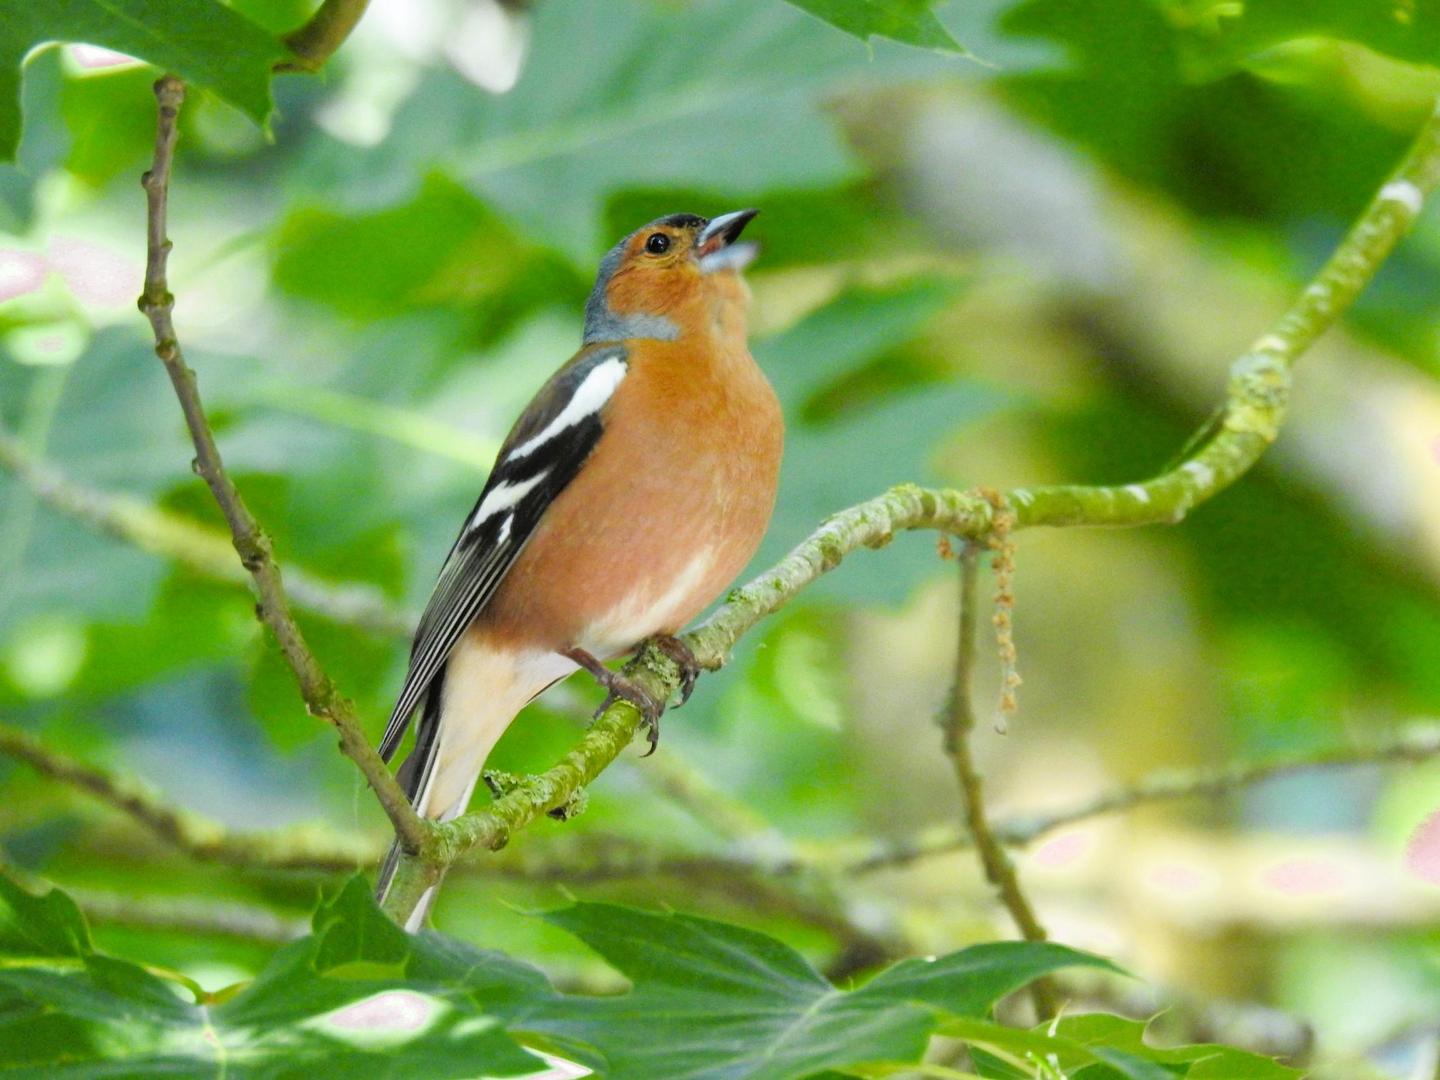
pixel 1416 743
pixel 189 915
pixel 206 551
pixel 958 724
pixel 321 696
pixel 197 836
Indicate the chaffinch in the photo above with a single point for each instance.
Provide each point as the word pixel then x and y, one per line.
pixel 633 489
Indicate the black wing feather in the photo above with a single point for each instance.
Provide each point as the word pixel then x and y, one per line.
pixel 481 555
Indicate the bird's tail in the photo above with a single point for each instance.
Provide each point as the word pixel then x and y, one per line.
pixel 414 777
pixel 465 711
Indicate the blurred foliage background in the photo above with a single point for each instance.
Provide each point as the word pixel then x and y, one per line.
pixel 1031 268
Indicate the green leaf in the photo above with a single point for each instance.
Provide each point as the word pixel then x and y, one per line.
pixel 910 22
pixel 712 1001
pixel 969 982
pixel 732 104
pixel 989 1040
pixel 1230 33
pixel 110 116
pixel 40 926
pixel 1111 1036
pixel 443 248
pixel 201 40
pixel 354 932
pixel 336 1001
pixel 849 440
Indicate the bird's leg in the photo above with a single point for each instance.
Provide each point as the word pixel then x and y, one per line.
pixel 684 658
pixel 619 688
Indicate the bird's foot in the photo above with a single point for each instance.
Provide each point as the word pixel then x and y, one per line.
pixel 684 658
pixel 619 688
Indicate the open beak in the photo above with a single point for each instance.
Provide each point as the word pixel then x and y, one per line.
pixel 716 248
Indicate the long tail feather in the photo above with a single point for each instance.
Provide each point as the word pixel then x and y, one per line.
pixel 464 713
pixel 413 777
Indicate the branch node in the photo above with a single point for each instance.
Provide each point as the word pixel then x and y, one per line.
pixel 1259 393
pixel 572 807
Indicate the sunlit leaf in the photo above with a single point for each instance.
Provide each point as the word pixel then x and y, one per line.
pixel 1237 31
pixel 711 1001
pixel 859 450
pixel 908 21
pixel 202 40
pixel 734 111
pixel 332 1001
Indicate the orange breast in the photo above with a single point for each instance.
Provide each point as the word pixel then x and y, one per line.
pixel 662 518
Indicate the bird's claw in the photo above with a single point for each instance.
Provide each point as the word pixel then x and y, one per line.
pixel 619 688
pixel 684 658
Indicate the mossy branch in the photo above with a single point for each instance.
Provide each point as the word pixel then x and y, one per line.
pixel 1254 410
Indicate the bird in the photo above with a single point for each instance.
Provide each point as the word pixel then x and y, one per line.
pixel 629 494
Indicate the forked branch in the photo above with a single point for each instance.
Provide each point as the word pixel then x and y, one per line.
pixel 1254 411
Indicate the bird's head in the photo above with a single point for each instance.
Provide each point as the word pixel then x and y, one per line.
pixel 676 276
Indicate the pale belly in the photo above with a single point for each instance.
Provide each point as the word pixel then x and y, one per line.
pixel 655 605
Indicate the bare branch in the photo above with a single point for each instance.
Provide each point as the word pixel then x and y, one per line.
pixel 957 725
pixel 191 544
pixel 188 914
pixel 197 836
pixel 321 696
pixel 1416 743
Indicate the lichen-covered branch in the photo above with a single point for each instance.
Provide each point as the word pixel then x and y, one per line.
pixel 1258 393
pixel 207 552
pixel 321 696
pixel 1254 411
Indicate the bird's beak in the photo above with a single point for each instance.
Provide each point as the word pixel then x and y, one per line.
pixel 716 248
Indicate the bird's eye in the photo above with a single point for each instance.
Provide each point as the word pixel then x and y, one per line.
pixel 657 243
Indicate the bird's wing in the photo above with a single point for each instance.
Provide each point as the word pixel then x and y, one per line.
pixel 543 453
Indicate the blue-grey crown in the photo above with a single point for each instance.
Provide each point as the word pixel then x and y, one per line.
pixel 603 324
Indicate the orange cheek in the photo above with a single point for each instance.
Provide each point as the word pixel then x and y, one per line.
pixel 650 291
